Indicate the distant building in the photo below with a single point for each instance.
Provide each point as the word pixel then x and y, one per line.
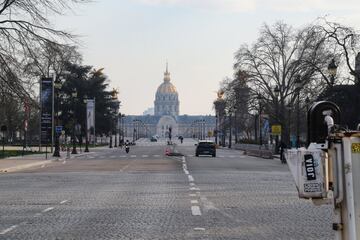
pixel 149 111
pixel 166 116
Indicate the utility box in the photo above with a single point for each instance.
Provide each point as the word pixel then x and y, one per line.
pixel 309 168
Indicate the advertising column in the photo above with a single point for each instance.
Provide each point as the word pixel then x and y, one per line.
pixel 90 118
pixel 47 110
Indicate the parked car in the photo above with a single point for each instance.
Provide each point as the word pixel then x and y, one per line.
pixel 205 147
pixel 153 139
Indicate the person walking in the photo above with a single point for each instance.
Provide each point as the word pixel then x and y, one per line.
pixel 282 149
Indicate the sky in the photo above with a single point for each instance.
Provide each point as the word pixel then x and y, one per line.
pixel 133 39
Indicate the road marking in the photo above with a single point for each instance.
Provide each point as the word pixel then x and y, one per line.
pixel 65 201
pixel 221 156
pixel 112 156
pixel 48 209
pixel 192 184
pixel 194 201
pixel 156 155
pixel 194 189
pixel 199 229
pixel 186 172
pixel 191 178
pixel 145 156
pixel 122 156
pixel 192 195
pixel 37 215
pixel 8 229
pixel 195 211
pixel 124 168
pixel 133 156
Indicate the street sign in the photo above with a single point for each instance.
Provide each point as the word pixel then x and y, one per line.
pixel 58 129
pixel 276 130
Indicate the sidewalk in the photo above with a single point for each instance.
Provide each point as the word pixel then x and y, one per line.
pixel 13 164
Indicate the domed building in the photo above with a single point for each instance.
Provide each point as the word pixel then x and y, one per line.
pixel 166 116
pixel 166 98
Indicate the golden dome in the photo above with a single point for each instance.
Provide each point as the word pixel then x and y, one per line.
pixel 166 87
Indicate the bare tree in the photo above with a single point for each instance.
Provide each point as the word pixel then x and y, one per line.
pixel 24 27
pixel 279 59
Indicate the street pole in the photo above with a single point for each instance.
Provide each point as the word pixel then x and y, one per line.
pixel 57 144
pixel 86 129
pixel 298 120
pixel 230 130
pixel 216 129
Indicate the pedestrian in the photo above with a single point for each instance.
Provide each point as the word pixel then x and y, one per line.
pixel 282 149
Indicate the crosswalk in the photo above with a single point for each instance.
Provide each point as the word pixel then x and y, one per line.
pixel 152 156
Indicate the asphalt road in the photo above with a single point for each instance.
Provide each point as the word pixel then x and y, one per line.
pixel 109 194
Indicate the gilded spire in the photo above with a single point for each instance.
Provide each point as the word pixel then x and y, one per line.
pixel 167 74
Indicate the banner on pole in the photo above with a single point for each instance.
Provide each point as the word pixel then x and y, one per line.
pixel 46 103
pixel 90 117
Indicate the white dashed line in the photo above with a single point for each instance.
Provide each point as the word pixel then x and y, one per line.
pixel 192 184
pixel 65 201
pixel 191 178
pixel 37 215
pixel 195 211
pixel 194 201
pixel 192 195
pixel 199 229
pixel 48 209
pixel 156 156
pixel 133 156
pixel 194 189
pixel 145 156
pixel 186 172
pixel 8 229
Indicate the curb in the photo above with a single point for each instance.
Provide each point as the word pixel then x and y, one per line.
pixel 36 164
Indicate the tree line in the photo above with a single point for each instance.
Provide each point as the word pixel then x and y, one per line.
pixel 286 69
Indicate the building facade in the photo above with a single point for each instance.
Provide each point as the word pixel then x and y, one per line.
pixel 166 117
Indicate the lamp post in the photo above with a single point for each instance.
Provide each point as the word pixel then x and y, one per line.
pixel 57 86
pixel 74 96
pixel 277 93
pixel 259 98
pixel 230 128
pixel 289 108
pixel 86 126
pixel 332 69
pixel 298 86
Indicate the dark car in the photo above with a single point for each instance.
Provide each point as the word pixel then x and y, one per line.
pixel 205 148
pixel 153 139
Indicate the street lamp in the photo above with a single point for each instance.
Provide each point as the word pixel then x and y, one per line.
pixel 298 86
pixel 230 128
pixel 259 98
pixel 277 93
pixel 74 96
pixel 57 86
pixel 332 69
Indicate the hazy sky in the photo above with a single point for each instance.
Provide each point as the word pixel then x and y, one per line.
pixel 132 39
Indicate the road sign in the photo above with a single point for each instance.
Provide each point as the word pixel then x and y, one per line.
pixel 58 129
pixel 276 130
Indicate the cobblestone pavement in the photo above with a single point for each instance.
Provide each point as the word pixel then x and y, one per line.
pixel 150 196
